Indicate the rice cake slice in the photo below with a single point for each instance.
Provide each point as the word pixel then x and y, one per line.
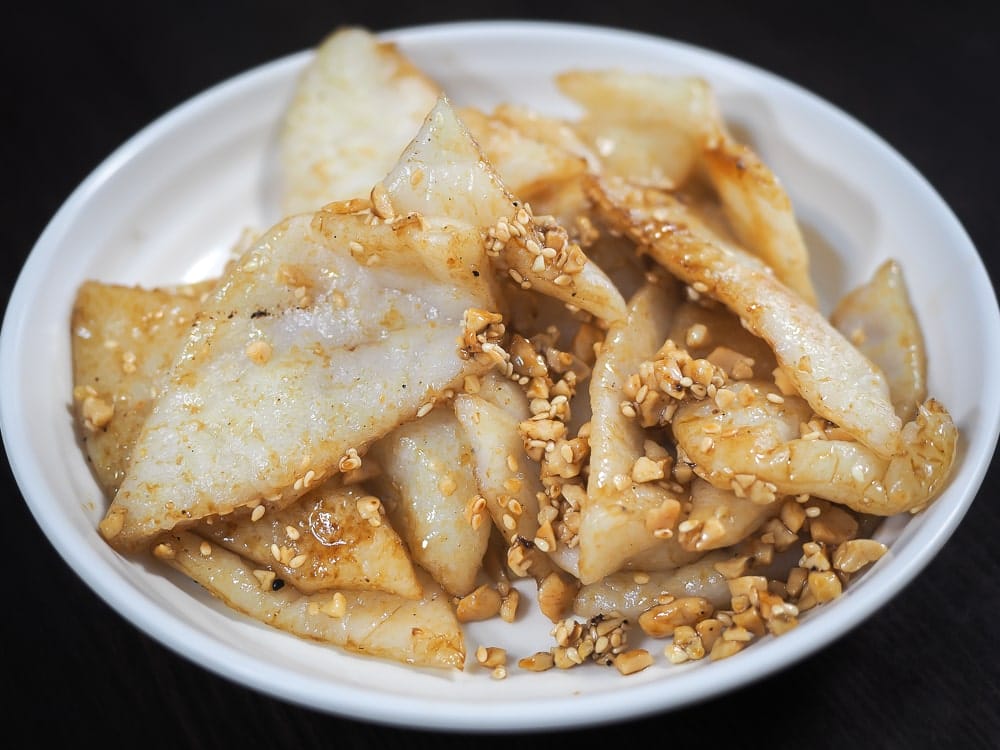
pixel 323 541
pixel 354 108
pixel 123 341
pixel 423 632
pixel 332 330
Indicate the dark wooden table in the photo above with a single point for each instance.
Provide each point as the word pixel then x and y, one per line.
pixel 78 79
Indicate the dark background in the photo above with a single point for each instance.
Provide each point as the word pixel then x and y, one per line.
pixel 81 78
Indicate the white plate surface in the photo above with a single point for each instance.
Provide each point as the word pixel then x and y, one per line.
pixel 168 205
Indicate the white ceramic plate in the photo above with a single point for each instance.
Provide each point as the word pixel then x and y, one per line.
pixel 169 204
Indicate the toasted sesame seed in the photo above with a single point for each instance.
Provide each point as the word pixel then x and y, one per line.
pixel 259 352
pixel 128 362
pixel 97 413
pixel 336 607
pixel 381 203
pixel 258 513
pixel 512 484
pixel 350 461
pixel 164 551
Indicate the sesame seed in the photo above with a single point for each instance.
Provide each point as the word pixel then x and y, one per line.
pixel 350 461
pixel 164 551
pixel 336 607
pixel 512 484
pixel 258 513
pixel 259 352
pixel 425 409
pixel 447 485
